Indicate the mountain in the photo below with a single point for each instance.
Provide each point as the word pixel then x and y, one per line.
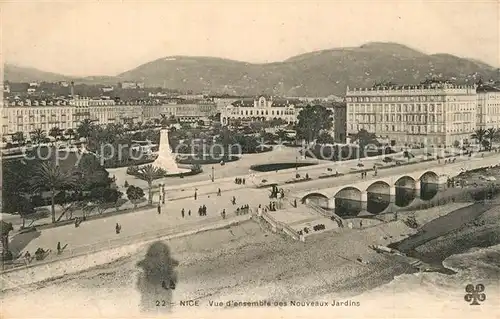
pixel 319 73
pixel 14 73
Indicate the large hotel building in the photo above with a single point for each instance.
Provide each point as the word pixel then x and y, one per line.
pixel 436 114
pixel 29 115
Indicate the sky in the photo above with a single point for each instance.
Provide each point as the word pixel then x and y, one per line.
pixel 83 38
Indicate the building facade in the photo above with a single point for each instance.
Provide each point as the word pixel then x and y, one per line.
pixel 29 115
pixel 488 107
pixel 437 114
pixel 261 109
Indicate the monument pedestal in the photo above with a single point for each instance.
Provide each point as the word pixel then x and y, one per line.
pixel 166 159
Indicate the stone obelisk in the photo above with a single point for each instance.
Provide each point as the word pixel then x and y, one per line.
pixel 165 158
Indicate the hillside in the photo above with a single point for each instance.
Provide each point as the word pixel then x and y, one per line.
pixel 320 73
pixel 15 73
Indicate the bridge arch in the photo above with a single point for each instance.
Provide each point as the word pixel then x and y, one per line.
pixel 406 190
pixel 406 181
pixel 316 198
pixel 429 177
pixel 348 201
pixel 350 193
pixel 379 187
pixel 378 197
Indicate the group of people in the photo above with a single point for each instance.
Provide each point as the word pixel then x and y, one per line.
pixel 275 191
pixel 319 227
pixel 239 181
pixel 202 211
pixel 242 210
pixel 273 206
pixel 40 254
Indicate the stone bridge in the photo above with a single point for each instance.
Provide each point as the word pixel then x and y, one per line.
pixel 386 186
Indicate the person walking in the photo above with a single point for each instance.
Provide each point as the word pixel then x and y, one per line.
pixel 59 247
pixel 195 195
pixel 218 192
pixel 360 224
pixel 118 228
pixel 189 212
pixel 159 209
pixel 182 213
pixel 204 210
pixel 223 214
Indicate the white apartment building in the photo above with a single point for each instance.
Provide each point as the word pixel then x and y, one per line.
pixel 260 109
pixel 436 114
pixel 26 116
pixel 488 107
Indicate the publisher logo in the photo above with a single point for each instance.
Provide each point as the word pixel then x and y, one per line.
pixel 474 294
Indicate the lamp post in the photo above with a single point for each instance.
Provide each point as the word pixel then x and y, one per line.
pixel 213 177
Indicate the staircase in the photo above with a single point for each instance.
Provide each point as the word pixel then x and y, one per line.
pixel 326 213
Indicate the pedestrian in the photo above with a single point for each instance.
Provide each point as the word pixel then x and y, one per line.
pixel 218 192
pixel 295 203
pixel 159 209
pixel 200 211
pixel 237 211
pixel 189 212
pixel 243 181
pixel 182 213
pixel 58 247
pixel 224 214
pixel 118 228
pixel 195 195
pixel 27 256
pixel 204 209
pixel 360 224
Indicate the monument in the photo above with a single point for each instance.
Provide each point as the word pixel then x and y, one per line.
pixel 166 158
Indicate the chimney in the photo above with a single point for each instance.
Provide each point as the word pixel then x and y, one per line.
pixel 72 88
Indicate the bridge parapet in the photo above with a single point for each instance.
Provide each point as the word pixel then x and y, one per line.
pixel 439 173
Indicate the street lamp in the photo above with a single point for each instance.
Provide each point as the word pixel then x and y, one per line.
pixel 213 169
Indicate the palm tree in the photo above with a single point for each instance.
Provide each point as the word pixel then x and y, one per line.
pixel 50 176
pixel 38 136
pixel 18 138
pixel 55 132
pixel 491 134
pixel 479 135
pixel 149 173
pixel 85 128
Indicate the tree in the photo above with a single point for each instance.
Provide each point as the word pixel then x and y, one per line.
pixel 491 134
pixel 70 132
pixel 325 138
pixel 5 229
pixel 149 173
pixel 479 135
pixel 52 178
pixel 55 132
pixel 38 136
pixel 135 194
pixel 104 198
pixel 26 209
pixel 18 138
pixel 312 120
pixel 85 128
pixel 364 139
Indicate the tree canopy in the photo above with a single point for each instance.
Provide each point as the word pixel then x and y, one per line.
pixel 312 120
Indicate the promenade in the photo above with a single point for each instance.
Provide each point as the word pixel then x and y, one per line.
pixel 140 223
